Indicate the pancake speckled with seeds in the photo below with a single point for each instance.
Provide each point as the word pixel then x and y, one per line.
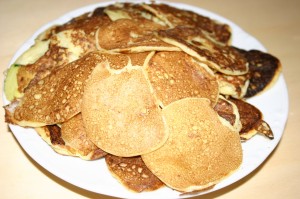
pixel 132 173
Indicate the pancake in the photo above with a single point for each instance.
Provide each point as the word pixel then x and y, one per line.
pixel 252 121
pixel 177 17
pixel 175 75
pixel 126 35
pixel 131 11
pixel 233 85
pixel 229 112
pixel 57 97
pixel 88 22
pixel 17 80
pixel 264 70
pixel 70 142
pixel 197 43
pixel 74 135
pixel 199 152
pixel 121 115
pixel 55 47
pixel 132 173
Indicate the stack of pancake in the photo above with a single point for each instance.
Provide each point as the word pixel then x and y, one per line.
pixel 159 92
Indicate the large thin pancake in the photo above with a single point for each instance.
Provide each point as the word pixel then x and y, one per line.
pixel 264 70
pixel 233 85
pixel 229 112
pixel 178 17
pixel 175 75
pixel 126 35
pixel 197 43
pixel 121 115
pixel 199 152
pixel 132 173
pixel 252 121
pixel 57 97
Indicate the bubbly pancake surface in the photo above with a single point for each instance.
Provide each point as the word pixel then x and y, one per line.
pixel 121 115
pixel 175 75
pixel 57 97
pixel 199 152
pixel 132 173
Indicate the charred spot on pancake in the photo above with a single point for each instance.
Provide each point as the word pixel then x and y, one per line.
pixel 132 173
pixel 264 70
pixel 55 135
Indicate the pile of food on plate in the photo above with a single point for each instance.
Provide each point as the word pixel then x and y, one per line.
pixel 157 91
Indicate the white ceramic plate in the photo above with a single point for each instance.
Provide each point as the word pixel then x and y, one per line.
pixel 94 175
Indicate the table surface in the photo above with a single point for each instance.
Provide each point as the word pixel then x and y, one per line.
pixel 276 23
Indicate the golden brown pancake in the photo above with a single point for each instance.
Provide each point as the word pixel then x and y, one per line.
pixel 74 135
pixel 195 42
pixel 228 111
pixel 175 75
pixel 264 70
pixel 252 121
pixel 57 97
pixel 132 173
pixel 199 152
pixel 233 85
pixel 126 35
pixel 70 143
pixel 177 17
pixel 88 22
pixel 121 115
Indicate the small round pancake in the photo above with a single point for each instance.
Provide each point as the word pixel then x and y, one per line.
pixel 132 173
pixel 197 43
pixel 121 115
pixel 175 75
pixel 252 121
pixel 199 152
